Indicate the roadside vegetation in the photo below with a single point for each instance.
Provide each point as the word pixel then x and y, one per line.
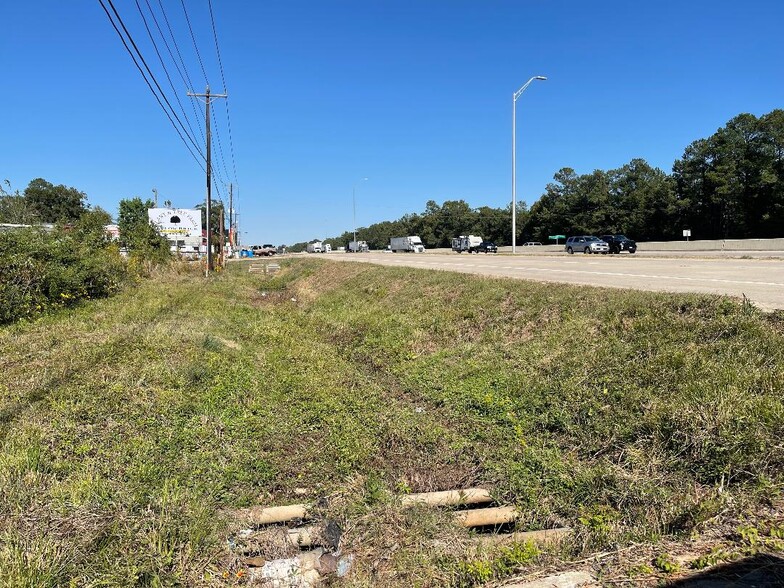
pixel 57 253
pixel 131 428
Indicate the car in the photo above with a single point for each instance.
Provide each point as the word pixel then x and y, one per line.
pixel 586 244
pixel 531 244
pixel 487 247
pixel 620 243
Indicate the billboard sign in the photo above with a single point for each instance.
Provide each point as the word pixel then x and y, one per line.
pixel 180 226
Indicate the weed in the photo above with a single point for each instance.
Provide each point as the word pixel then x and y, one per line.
pixel 665 563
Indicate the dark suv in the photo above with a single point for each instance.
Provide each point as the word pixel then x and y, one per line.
pixel 619 243
pixel 487 247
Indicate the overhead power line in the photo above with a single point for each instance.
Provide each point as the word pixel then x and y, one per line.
pixel 159 98
pixel 165 70
pixel 183 71
pixel 225 90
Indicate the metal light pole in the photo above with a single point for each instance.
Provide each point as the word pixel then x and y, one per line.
pixel 515 96
pixel 354 203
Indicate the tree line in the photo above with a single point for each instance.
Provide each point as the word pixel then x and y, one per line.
pixel 728 186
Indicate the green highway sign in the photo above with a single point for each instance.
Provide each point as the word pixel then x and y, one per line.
pixel 554 237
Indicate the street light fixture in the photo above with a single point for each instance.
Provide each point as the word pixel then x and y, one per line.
pixel 515 96
pixel 354 203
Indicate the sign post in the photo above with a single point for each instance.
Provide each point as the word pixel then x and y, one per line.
pixel 687 233
pixel 556 237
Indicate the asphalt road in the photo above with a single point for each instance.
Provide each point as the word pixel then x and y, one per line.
pixel 760 280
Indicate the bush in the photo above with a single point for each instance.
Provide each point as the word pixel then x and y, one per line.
pixel 40 271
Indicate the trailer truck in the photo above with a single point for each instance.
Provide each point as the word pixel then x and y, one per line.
pixel 357 247
pixel 406 244
pixel 468 243
pixel 315 247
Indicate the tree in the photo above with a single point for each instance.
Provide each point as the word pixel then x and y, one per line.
pixel 54 203
pixel 15 208
pixel 137 232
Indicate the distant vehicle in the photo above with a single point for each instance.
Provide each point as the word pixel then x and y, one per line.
pixel 256 250
pixel 531 244
pixel 327 248
pixel 619 243
pixel 487 247
pixel 268 250
pixel 586 244
pixel 406 244
pixel 315 247
pixel 468 243
pixel 357 247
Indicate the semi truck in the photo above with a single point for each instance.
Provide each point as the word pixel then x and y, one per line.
pixel 406 244
pixel 315 247
pixel 357 247
pixel 468 243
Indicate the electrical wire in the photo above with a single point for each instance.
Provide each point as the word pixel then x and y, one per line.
pixel 147 81
pixel 193 38
pixel 165 70
pixel 225 91
pixel 186 80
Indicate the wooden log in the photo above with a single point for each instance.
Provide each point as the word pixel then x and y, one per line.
pixel 543 537
pixel 302 536
pixel 275 514
pixel 486 516
pixel 448 497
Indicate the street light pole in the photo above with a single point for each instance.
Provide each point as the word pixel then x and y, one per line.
pixel 354 205
pixel 515 96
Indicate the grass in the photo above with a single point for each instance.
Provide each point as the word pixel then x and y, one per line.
pixel 131 427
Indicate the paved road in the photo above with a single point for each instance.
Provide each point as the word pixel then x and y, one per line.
pixel 761 280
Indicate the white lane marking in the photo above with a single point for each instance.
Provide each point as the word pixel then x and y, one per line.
pixel 657 277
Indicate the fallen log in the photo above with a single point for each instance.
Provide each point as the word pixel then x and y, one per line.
pixel 481 517
pixel 448 497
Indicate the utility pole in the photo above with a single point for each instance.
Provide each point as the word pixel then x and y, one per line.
pixel 207 99
pixel 155 191
pixel 231 216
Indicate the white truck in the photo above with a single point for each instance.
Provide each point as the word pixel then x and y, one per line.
pixel 406 244
pixel 315 247
pixel 357 247
pixel 468 243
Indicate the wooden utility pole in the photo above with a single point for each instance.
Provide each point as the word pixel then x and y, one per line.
pixel 231 216
pixel 207 99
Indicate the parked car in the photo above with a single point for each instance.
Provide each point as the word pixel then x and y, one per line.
pixel 619 243
pixel 586 244
pixel 487 247
pixel 531 244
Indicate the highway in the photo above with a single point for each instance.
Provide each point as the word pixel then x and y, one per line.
pixel 760 280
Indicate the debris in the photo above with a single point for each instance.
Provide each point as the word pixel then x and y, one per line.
pixel 254 562
pixel 274 514
pixel 542 537
pixel 567 580
pixel 328 563
pixel 448 497
pixel 344 565
pixel 486 516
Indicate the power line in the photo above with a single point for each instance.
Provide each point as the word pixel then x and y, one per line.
pixel 165 70
pixel 182 71
pixel 225 91
pixel 147 81
pixel 193 38
pixel 204 71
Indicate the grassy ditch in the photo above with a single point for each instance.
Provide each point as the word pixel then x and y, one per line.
pixel 131 427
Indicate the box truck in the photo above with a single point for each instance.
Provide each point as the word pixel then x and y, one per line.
pixel 406 244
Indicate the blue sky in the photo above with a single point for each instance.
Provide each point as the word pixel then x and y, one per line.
pixel 414 95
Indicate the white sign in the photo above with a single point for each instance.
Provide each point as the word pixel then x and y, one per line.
pixel 182 225
pixel 687 232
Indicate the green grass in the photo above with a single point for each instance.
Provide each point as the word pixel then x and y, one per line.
pixel 130 427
